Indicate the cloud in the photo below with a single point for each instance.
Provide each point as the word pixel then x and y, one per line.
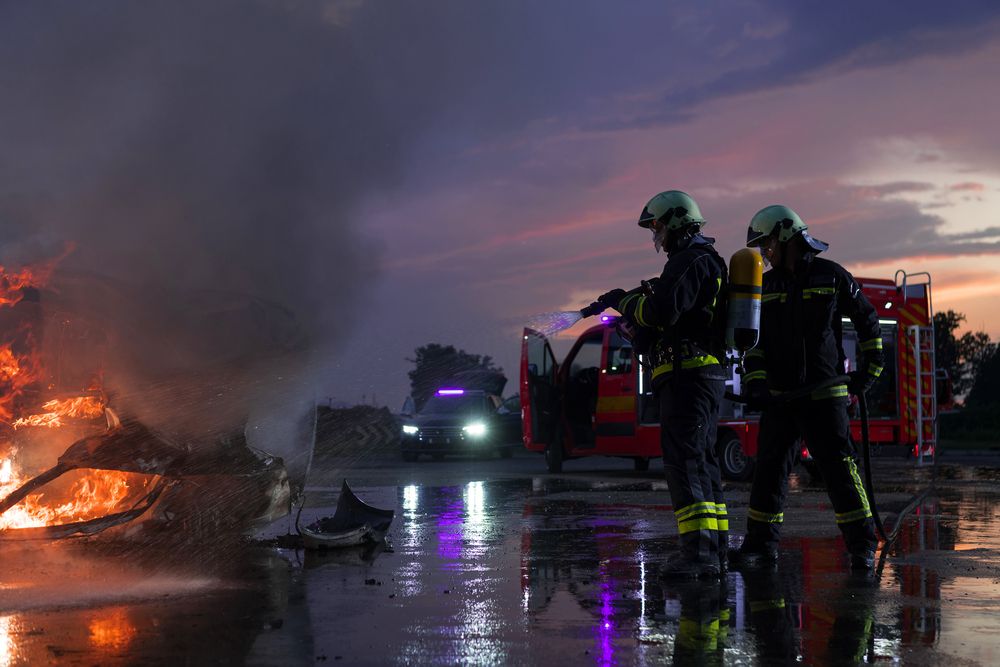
pixel 817 40
pixel 890 189
pixel 968 187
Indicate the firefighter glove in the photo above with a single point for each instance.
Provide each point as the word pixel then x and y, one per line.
pixel 613 298
pixel 757 395
pixel 861 381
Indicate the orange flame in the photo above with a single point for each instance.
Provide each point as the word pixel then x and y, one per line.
pixel 83 407
pixel 12 284
pixel 18 369
pixel 94 494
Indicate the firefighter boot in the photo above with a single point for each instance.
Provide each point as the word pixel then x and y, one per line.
pixel 755 555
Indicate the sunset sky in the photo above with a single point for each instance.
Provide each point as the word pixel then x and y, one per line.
pixel 494 156
pixel 877 122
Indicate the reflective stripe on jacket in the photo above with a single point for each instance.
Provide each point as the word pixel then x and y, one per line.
pixel 801 332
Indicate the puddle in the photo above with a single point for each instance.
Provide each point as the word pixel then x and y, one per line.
pixel 529 570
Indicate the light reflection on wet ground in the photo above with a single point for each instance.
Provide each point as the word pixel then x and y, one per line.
pixel 526 571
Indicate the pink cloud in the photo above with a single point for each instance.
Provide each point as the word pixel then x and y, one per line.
pixel 968 186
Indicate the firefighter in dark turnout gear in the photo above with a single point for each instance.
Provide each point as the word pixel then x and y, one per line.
pixel 803 303
pixel 677 320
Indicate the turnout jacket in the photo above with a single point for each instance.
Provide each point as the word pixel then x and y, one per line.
pixel 678 312
pixel 800 328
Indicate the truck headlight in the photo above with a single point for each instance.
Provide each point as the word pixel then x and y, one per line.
pixel 410 430
pixel 475 429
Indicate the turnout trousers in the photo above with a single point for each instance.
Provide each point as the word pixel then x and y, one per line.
pixel 826 428
pixel 689 413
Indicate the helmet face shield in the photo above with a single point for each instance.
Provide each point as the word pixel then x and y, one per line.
pixel 755 237
pixel 815 244
pixel 646 218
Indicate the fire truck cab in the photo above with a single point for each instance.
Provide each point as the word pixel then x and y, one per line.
pixel 599 399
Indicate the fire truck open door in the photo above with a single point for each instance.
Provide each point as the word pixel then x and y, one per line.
pixel 615 417
pixel 539 397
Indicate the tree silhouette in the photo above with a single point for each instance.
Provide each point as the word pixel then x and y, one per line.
pixel 985 393
pixel 964 356
pixel 435 364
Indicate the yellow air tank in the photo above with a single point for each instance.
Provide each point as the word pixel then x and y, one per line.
pixel 746 272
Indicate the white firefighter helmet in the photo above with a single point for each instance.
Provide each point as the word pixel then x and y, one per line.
pixel 675 209
pixel 783 222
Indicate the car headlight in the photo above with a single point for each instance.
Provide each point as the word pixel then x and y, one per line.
pixel 410 430
pixel 475 429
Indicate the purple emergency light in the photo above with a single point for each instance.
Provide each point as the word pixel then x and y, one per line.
pixel 450 392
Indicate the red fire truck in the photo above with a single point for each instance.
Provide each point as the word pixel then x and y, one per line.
pixel 599 400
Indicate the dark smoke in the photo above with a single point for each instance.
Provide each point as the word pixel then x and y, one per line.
pixel 189 146
pixel 205 159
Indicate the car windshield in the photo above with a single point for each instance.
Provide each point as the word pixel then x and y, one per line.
pixel 447 405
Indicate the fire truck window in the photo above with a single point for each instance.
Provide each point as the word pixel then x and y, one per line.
pixel 587 356
pixel 619 355
pixel 581 388
pixel 882 397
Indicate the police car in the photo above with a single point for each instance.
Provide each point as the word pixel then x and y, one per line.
pixel 461 421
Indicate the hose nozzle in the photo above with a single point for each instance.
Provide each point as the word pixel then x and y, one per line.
pixel 595 308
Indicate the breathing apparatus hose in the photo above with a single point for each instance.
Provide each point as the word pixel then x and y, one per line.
pixel 865 436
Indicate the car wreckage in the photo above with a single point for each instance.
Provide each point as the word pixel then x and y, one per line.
pixel 100 435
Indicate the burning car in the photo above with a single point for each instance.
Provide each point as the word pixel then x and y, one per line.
pixel 97 434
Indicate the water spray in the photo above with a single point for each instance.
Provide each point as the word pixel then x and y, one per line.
pixel 548 324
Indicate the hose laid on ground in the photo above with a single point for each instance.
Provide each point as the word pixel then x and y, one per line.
pixel 869 486
pixel 865 439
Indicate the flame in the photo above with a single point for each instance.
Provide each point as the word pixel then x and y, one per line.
pixel 112 629
pixel 95 493
pixel 18 369
pixel 12 284
pixel 82 407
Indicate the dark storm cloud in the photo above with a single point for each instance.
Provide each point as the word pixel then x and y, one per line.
pixel 986 233
pixel 816 38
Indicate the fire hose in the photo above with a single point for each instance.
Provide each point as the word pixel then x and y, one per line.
pixel 865 436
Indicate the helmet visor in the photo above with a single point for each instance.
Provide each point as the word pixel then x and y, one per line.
pixel 814 244
pixel 646 218
pixel 755 237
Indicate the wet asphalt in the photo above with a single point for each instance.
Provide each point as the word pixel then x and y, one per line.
pixel 497 562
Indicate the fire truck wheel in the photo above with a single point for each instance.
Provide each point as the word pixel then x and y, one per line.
pixel 553 458
pixel 641 463
pixel 734 463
